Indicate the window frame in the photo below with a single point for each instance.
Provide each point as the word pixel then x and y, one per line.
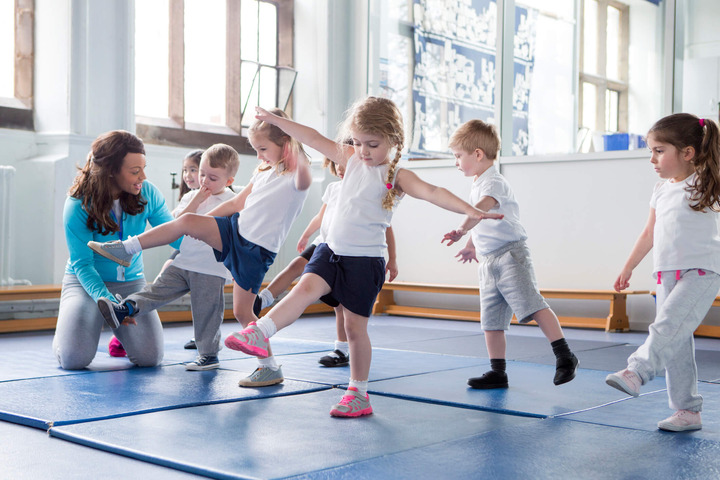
pixel 600 80
pixel 17 112
pixel 174 130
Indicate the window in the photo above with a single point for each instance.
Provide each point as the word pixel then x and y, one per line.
pixel 556 77
pixel 604 66
pixel 16 61
pixel 224 58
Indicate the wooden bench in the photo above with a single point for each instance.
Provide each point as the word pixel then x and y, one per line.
pixel 617 319
pixel 52 292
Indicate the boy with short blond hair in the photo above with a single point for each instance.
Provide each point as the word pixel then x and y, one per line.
pixel 195 269
pixel 507 278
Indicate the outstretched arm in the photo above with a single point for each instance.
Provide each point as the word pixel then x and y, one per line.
pixel 485 204
pixel 642 246
pixel 307 135
pixel 411 184
pixel 232 206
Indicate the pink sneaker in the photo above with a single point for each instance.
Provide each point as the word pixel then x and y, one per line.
pixel 681 421
pixel 352 404
pixel 116 348
pixel 626 381
pixel 250 340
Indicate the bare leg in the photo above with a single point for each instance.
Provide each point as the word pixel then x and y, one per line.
pixel 495 342
pixel 284 279
pixel 549 324
pixel 308 290
pixel 360 346
pixel 340 323
pixel 202 227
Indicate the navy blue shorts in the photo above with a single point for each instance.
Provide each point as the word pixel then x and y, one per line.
pixel 326 299
pixel 354 281
pixel 248 262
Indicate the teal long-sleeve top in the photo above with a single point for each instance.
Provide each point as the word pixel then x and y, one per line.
pixel 93 270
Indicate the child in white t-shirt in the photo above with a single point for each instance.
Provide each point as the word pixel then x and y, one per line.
pixel 194 269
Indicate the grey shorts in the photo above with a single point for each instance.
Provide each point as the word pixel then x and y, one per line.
pixel 507 286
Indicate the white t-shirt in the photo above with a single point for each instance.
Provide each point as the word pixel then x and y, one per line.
pixel 358 223
pixel 329 198
pixel 683 238
pixel 489 235
pixel 195 255
pixel 272 206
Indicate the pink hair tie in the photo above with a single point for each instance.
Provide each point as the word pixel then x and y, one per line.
pixel 702 122
pixel 389 186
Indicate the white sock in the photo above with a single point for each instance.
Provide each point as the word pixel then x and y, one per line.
pixel 132 245
pixel 269 362
pixel 266 297
pixel 361 385
pixel 267 326
pixel 342 346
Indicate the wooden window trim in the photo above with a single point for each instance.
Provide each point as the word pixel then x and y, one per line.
pixel 173 130
pixel 17 112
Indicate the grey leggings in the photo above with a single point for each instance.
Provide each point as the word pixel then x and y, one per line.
pixel 683 299
pixel 79 325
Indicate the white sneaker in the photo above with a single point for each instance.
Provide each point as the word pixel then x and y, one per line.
pixel 626 381
pixel 681 421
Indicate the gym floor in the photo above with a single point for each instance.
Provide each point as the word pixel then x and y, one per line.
pixel 114 421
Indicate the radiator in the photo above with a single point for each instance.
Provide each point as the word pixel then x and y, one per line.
pixel 7 193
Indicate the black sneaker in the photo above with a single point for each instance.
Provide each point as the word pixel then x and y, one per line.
pixel 565 369
pixel 113 313
pixel 203 362
pixel 257 306
pixel 335 359
pixel 491 379
pixel 190 345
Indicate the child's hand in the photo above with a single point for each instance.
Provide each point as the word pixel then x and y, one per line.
pixel 391 269
pixel 203 193
pixel 453 236
pixel 467 254
pixel 129 321
pixel 623 280
pixel 263 115
pixel 302 244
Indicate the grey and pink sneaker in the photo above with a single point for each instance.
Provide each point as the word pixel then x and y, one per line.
pixel 681 421
pixel 626 381
pixel 352 404
pixel 114 251
pixel 249 340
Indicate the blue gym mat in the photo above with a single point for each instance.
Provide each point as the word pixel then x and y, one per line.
pixel 386 364
pixel 547 449
pixel 614 358
pixel 644 412
pixel 67 399
pixel 531 391
pixel 280 437
pixel 30 454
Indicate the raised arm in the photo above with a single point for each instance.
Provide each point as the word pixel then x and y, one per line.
pixel 308 136
pixel 643 245
pixel 232 206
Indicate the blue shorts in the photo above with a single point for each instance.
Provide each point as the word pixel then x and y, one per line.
pixel 248 262
pixel 326 299
pixel 354 281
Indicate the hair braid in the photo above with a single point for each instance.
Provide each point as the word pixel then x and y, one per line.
pixel 389 198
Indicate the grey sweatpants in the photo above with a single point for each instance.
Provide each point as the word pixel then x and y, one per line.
pixel 207 302
pixel 79 325
pixel 681 306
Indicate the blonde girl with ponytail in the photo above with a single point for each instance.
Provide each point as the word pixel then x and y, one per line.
pixel 350 264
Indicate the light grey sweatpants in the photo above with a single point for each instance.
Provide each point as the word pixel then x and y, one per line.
pixel 681 306
pixel 79 325
pixel 207 302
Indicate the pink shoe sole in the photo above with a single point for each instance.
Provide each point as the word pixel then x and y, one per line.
pixel 234 343
pixel 359 413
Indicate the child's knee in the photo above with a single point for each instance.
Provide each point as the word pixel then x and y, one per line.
pixel 73 359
